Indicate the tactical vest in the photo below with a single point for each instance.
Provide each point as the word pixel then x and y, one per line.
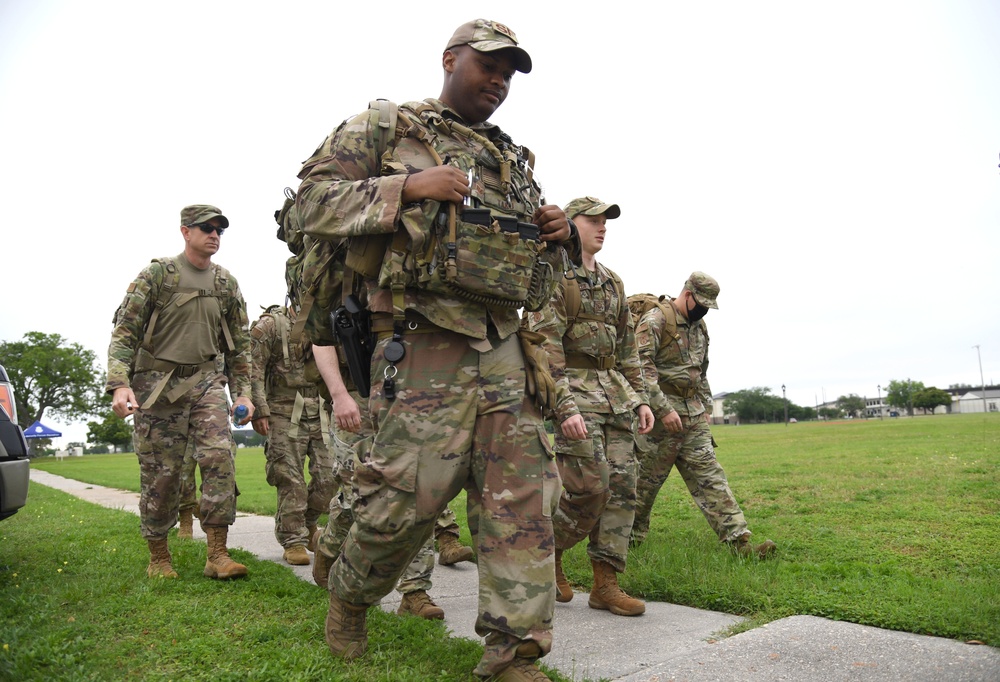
pixel 574 303
pixel 146 359
pixel 308 385
pixel 485 251
pixel 639 305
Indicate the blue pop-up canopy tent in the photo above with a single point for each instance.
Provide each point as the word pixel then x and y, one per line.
pixel 40 430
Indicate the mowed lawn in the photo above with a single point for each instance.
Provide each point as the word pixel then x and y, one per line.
pixel 892 523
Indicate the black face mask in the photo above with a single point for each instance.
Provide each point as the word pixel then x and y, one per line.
pixel 694 314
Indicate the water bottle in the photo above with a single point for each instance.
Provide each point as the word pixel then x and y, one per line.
pixel 240 413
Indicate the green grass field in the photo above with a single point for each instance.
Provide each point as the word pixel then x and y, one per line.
pixel 891 523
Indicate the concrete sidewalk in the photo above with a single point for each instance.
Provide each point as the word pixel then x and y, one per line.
pixel 669 643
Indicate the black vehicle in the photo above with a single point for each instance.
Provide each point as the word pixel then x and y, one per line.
pixel 14 468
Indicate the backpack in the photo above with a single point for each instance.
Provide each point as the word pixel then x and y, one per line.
pixel 161 296
pixel 321 273
pixel 171 278
pixel 640 304
pixel 275 311
pixel 571 296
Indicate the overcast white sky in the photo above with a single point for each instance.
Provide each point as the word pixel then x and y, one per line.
pixel 832 164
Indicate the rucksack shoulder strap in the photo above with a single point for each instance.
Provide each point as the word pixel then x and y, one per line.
pixel 574 301
pixel 670 316
pixel 226 302
pixel 571 297
pixel 388 124
pixel 171 276
pixel 280 317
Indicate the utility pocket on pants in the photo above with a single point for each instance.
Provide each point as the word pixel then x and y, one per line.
pixel 386 501
pixel 574 448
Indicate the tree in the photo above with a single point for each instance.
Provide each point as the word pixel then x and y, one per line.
pixel 931 397
pixel 248 438
pixel 756 405
pixel 800 414
pixel 901 394
pixel 852 404
pixel 113 431
pixel 49 373
pixel 830 412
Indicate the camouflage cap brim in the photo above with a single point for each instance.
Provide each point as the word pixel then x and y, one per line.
pixel 522 62
pixel 196 214
pixel 483 35
pixel 591 206
pixel 704 288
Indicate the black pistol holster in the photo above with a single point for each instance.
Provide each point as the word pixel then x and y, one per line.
pixel 352 325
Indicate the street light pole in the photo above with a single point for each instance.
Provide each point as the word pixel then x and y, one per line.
pixel 784 400
pixel 879 401
pixel 981 380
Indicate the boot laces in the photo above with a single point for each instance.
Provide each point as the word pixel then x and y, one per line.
pixel 354 621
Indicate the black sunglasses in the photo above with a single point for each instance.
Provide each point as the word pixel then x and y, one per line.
pixel 209 229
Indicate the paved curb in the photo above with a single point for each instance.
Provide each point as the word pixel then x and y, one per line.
pixel 669 643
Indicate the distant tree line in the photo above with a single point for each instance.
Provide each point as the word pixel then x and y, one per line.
pixel 908 394
pixel 757 405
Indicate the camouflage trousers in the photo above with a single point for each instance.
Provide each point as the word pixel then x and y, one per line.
pixel 598 496
pixel 460 418
pixel 692 453
pixel 189 484
pixel 300 504
pixel 163 433
pixel 417 575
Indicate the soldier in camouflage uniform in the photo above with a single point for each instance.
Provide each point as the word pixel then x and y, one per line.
pixel 348 438
pixel 179 315
pixel 675 364
pixel 590 342
pixel 290 413
pixel 449 400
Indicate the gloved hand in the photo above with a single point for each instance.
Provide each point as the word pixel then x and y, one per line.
pixel 541 385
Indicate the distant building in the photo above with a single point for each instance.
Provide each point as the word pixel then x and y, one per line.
pixel 972 401
pixel 876 408
pixel 719 413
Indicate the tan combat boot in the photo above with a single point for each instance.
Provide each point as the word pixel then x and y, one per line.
pixel 219 564
pixel 523 669
pixel 311 532
pixel 296 555
pixel 608 596
pixel 451 551
pixel 346 628
pixel 186 529
pixel 564 592
pixel 159 560
pixel 743 547
pixel 321 564
pixel 419 604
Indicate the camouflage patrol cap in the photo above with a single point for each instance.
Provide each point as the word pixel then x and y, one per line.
pixel 704 288
pixel 483 35
pixel 591 206
pixel 201 213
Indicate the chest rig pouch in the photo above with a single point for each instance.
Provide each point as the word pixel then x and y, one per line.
pixel 480 251
pixel 491 259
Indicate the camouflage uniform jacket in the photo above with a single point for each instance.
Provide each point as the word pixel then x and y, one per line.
pixel 134 313
pixel 675 372
pixel 581 389
pixel 279 373
pixel 347 192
